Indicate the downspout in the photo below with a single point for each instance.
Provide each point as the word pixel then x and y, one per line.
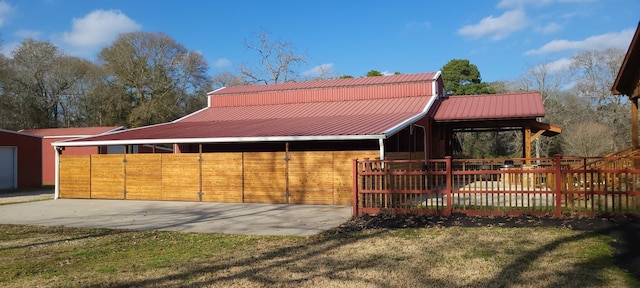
pixel 381 144
pixel 57 151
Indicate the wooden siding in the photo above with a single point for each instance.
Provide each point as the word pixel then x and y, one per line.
pixel 222 177
pixel 265 177
pixel 310 178
pixel 75 177
pixel 107 176
pixel 252 177
pixel 143 176
pixel 184 185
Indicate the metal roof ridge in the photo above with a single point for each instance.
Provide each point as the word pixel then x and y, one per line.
pixel 436 74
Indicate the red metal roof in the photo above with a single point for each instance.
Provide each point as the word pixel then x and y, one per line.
pixel 71 132
pixel 490 106
pixel 329 109
pixel 380 87
pixel 287 120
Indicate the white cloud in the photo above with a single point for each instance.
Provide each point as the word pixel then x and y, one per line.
pixel 26 33
pixel 98 28
pixel 559 65
pixel 386 73
pixel 222 62
pixel 549 28
pixel 5 11
pixel 498 27
pixel 318 71
pixel 522 3
pixel 609 40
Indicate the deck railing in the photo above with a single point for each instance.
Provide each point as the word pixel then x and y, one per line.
pixel 544 186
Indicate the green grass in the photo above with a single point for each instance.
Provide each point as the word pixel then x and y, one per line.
pixel 33 256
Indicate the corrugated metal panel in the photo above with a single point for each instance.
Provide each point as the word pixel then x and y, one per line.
pixel 77 131
pixel 314 109
pixel 333 83
pixel 364 117
pixel 346 93
pixel 491 106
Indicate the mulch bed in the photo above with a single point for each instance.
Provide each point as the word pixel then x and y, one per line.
pixel 626 230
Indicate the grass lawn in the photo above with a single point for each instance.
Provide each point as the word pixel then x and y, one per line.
pixel 438 257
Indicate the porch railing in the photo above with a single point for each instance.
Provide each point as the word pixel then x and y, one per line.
pixel 544 186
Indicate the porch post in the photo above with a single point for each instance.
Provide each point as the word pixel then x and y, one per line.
pixel 634 123
pixel 58 151
pixel 449 183
pixel 527 146
pixel 558 185
pixel 354 184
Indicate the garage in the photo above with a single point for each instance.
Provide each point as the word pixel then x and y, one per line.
pixel 8 168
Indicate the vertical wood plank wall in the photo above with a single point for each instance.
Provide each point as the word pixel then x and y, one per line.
pixel 252 177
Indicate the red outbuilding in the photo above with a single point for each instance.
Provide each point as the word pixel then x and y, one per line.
pixel 20 160
pixel 50 135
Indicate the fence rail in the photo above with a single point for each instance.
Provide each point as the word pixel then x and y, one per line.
pixel 544 186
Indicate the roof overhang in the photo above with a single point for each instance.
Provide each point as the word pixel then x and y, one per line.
pixel 628 78
pixel 535 126
pixel 219 140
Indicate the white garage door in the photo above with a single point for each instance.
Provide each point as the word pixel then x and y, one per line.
pixel 8 168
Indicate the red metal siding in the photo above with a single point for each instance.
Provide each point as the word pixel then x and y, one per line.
pixel 29 157
pixel 49 157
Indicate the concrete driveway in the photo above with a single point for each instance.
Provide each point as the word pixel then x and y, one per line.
pixel 233 218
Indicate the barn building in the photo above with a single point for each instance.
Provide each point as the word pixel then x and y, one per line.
pixel 288 143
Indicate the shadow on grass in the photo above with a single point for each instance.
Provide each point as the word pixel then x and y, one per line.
pixel 280 257
pixel 296 259
pixel 93 233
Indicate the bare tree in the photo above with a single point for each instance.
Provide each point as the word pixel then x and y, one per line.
pixel 595 72
pixel 278 61
pixel 588 139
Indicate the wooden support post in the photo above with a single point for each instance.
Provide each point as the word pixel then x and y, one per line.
pixel 527 146
pixel 354 184
pixel 558 186
pixel 634 129
pixel 449 181
pixel 634 123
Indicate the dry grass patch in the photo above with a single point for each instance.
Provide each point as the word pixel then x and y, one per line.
pixel 442 257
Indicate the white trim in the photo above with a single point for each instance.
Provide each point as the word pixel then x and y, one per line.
pixel 381 144
pixel 56 174
pixel 20 133
pixel 405 123
pixel 217 140
pixel 214 91
pixel 193 113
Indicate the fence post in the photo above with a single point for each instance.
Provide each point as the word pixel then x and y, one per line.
pixel 449 186
pixel 355 187
pixel 558 189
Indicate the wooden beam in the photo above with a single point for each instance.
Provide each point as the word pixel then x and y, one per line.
pixel 535 136
pixel 634 123
pixel 527 146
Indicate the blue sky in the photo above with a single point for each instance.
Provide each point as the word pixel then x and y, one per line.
pixel 502 37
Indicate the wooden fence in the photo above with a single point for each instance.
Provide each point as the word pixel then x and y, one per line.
pixel 253 177
pixel 549 186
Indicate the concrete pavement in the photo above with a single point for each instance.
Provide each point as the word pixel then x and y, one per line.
pixel 233 218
